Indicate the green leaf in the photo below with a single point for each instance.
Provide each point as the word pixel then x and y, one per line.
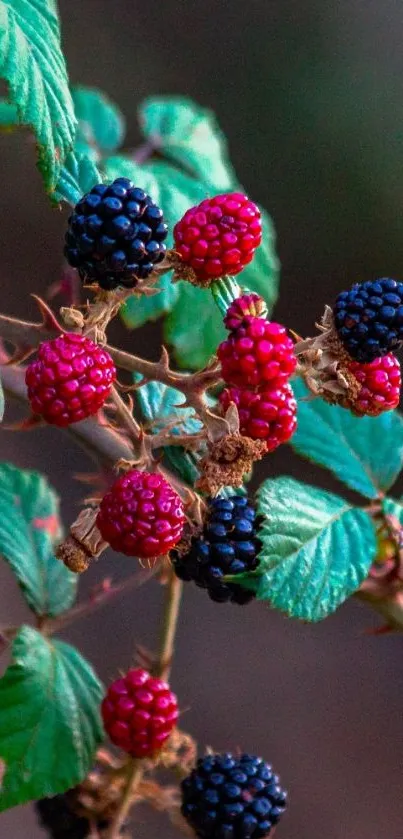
pixel 77 176
pixel 317 549
pixel 365 453
pixel 194 327
pixel 158 402
pixel 32 63
pixel 29 526
pixel 101 125
pixel 49 719
pixel 189 135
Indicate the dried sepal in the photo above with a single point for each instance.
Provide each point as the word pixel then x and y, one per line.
pixel 228 461
pixel 84 542
pixel 323 364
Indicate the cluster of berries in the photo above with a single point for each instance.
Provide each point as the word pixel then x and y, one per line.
pixel 369 323
pixel 257 361
pixel 224 797
pixel 115 236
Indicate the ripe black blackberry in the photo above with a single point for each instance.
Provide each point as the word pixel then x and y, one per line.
pixel 115 235
pixel 58 817
pixel 228 797
pixel 62 821
pixel 228 545
pixel 369 319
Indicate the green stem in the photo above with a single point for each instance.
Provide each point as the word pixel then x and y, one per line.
pixel 133 779
pixel 225 291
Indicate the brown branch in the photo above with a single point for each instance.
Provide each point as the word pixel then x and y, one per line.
pixel 191 385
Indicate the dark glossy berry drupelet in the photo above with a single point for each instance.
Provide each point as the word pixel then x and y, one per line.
pixel 228 545
pixel 115 235
pixel 369 319
pixel 227 797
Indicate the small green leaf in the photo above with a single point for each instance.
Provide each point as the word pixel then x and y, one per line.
pixel 194 308
pixel 32 64
pixel 189 135
pixel 160 404
pixel 29 527
pixel 49 719
pixel 317 549
pixel 78 175
pixel 365 453
pixel 101 125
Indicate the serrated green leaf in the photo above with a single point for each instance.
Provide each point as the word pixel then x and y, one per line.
pixel 160 404
pixel 32 64
pixel 78 175
pixel 101 125
pixel 49 719
pixel 317 549
pixel 365 453
pixel 29 526
pixel 190 135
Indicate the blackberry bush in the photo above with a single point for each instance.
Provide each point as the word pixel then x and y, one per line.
pixel 174 451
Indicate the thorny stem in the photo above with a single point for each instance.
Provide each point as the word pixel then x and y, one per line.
pixel 26 335
pixel 173 597
pixel 133 779
pixel 89 606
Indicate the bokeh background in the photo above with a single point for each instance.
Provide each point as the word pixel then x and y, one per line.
pixel 309 93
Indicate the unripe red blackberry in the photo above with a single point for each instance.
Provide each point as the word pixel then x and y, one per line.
pixel 244 306
pixel 139 713
pixel 268 415
pixel 219 236
pixel 141 515
pixel 379 382
pixel 70 379
pixel 257 354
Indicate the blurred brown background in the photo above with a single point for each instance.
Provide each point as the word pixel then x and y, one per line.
pixel 310 97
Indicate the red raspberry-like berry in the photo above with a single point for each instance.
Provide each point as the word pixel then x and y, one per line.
pixel 268 415
pixel 70 379
pixel 239 309
pixel 219 236
pixel 258 353
pixel 139 713
pixel 141 515
pixel 380 382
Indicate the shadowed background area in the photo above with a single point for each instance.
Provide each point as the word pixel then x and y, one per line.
pixel 309 95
